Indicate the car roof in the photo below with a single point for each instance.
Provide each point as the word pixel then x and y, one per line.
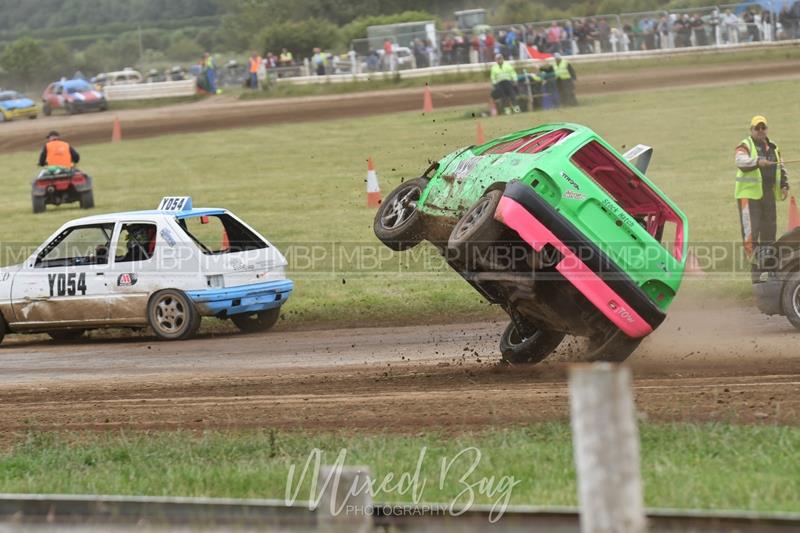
pixel 151 213
pixel 74 83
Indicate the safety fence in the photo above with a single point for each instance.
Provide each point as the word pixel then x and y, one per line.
pixel 146 91
pixel 717 25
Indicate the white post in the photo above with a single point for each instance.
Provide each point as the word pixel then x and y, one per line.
pixel 345 504
pixel 606 444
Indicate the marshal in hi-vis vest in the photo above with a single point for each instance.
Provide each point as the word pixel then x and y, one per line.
pixel 58 154
pixel 748 183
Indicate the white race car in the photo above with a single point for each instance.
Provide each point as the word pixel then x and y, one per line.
pixel 164 268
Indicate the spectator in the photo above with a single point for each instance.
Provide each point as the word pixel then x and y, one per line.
pixel 568 36
pixel 448 50
pixel 648 27
pixel 210 67
pixel 512 43
pixel 554 38
pixel 255 64
pixel 565 79
pixel 604 35
pixel 488 47
pixel 286 58
pixel 388 55
pixel 714 23
pixel 699 31
pixel 751 24
pixel 664 35
pixel 730 24
pixel 318 62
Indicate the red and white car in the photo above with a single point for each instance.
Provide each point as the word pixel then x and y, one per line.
pixel 74 96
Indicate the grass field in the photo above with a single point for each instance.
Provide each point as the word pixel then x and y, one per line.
pixel 683 465
pixel 303 186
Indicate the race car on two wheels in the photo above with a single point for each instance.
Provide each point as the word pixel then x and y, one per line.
pixel 554 225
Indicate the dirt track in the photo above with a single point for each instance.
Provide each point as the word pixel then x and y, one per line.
pixel 704 363
pixel 223 112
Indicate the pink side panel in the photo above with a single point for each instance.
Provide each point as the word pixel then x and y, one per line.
pixel 515 216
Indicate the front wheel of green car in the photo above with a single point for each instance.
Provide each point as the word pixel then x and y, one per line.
pixel 476 232
pixel 398 223
pixel 530 346
pixel 790 299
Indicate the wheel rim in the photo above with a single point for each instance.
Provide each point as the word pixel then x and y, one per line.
pixel 170 314
pixel 475 215
pixel 515 338
pixel 401 207
pixel 796 300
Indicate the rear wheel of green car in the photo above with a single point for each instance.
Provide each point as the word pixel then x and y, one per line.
pixel 530 346
pixel 398 223
pixel 612 347
pixel 476 233
pixel 255 322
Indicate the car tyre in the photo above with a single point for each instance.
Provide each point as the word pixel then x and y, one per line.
pixel 476 232
pixel 612 348
pixel 172 315
pixel 531 347
pixel 398 223
pixel 87 200
pixel 790 299
pixel 66 335
pixel 71 110
pixel 3 328
pixel 256 322
pixel 47 110
pixel 39 204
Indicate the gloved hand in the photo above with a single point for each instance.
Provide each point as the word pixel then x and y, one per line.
pixel 784 192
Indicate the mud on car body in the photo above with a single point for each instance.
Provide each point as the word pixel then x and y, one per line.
pixel 557 227
pixel 164 268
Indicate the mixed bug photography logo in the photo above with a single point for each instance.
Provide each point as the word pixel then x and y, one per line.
pixel 457 475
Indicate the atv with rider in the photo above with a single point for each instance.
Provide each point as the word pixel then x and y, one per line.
pixel 60 185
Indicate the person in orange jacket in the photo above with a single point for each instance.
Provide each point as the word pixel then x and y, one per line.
pixel 58 153
pixel 255 64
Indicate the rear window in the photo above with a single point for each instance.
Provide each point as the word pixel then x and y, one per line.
pixel 629 191
pixel 543 142
pixel 220 234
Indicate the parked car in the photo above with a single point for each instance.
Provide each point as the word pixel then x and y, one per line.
pixel 120 77
pixel 15 105
pixel 165 268
pixel 558 228
pixel 73 96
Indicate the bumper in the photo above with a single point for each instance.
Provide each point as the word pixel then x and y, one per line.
pixel 20 113
pixel 242 299
pixel 768 296
pixel 604 284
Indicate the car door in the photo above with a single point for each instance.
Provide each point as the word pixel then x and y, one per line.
pixel 134 271
pixel 66 282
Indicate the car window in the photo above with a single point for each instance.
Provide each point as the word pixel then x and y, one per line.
pixel 78 87
pixel 510 146
pixel 81 245
pixel 220 234
pixel 136 242
pixel 543 142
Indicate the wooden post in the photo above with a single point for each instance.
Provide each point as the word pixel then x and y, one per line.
pixel 345 504
pixel 606 443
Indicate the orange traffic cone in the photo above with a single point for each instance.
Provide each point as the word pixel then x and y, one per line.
pixel 794 214
pixel 427 100
pixel 492 107
pixel 693 266
pixel 479 138
pixel 373 189
pixel 116 133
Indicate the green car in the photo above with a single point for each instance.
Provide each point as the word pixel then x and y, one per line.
pixel 557 227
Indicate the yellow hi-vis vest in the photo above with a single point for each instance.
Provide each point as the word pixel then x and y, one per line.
pixel 562 70
pixel 748 183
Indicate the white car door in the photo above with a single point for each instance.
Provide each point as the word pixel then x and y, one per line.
pixel 134 271
pixel 66 283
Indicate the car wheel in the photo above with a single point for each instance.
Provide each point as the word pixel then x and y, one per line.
pixel 476 231
pixel 31 117
pixel 39 204
pixel 261 321
pixel 65 335
pixel 172 315
pixel 613 348
pixel 87 200
pixel 529 347
pixel 398 223
pixel 47 110
pixel 790 299
pixel 3 328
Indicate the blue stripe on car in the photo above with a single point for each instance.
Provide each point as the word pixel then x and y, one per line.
pixel 242 298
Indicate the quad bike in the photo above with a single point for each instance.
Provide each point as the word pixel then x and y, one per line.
pixel 59 185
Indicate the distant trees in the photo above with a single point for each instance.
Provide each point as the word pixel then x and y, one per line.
pixel 23 58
